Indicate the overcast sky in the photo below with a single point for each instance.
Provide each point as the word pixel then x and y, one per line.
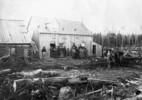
pixel 98 15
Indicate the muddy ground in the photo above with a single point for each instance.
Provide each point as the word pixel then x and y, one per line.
pixel 93 72
pixel 75 67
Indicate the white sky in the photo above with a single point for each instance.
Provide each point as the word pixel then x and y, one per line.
pixel 98 15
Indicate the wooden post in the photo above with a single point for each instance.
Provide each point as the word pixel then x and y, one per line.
pixel 102 46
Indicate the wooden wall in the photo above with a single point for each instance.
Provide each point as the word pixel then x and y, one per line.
pixel 45 39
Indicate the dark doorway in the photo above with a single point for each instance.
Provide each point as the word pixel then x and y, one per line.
pixel 52 50
pixel 52 45
pixel 94 49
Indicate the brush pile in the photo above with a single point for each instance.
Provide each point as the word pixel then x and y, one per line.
pixel 13 62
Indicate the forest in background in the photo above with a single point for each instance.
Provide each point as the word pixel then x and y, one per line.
pixel 118 40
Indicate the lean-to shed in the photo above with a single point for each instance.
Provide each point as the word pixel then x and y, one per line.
pixel 97 49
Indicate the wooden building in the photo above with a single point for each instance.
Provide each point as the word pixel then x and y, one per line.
pixel 13 38
pixel 49 33
pixel 97 49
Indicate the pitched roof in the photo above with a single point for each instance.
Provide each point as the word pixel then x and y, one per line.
pixel 58 26
pixel 72 27
pixel 13 32
pixel 44 25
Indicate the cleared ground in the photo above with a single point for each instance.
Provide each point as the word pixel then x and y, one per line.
pixel 84 76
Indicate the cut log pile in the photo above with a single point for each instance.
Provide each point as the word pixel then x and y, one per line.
pixel 50 85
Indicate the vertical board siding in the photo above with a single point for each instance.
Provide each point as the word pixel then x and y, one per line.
pixel 67 40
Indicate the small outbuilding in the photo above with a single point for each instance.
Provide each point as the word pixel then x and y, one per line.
pixel 97 49
pixel 13 38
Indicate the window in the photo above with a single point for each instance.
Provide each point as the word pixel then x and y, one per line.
pixel 61 44
pixel 75 29
pixel 52 45
pixel 63 28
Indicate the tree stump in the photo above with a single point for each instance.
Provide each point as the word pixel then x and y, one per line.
pixel 66 93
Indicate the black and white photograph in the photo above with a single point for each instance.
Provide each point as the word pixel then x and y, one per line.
pixel 70 49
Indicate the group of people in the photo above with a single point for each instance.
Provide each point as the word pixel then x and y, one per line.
pixel 78 52
pixel 75 52
pixel 58 52
pixel 113 57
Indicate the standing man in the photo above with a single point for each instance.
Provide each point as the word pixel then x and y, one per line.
pixel 73 51
pixel 109 59
pixel 43 52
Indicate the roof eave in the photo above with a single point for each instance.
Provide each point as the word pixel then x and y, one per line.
pixel 15 43
pixel 66 33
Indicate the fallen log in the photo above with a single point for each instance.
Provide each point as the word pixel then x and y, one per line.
pixel 133 82
pixel 20 83
pixel 50 73
pixel 5 71
pixel 56 81
pixel 102 80
pixel 4 58
pixel 31 73
pixel 92 92
pixel 88 93
pixel 46 81
pixel 38 72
